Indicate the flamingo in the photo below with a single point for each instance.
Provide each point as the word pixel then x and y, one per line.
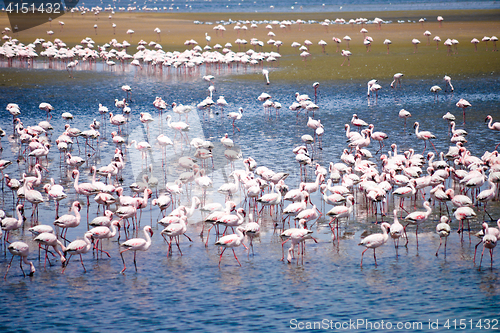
pixel 86 189
pixel 137 244
pixel 49 239
pixel 375 240
pixel 174 230
pixel 417 218
pixel 178 126
pixel 443 230
pixel 489 242
pixel 397 80
pixel 424 135
pixel 104 232
pixel 462 103
pixel 22 250
pixel 79 247
pixel 265 72
pixel 346 54
pixel 236 116
pixel 252 229
pixel 493 126
pixel 397 230
pixel 10 223
pixel 405 115
pixel 338 212
pixel 143 147
pixel 68 220
pixel 231 241
pixel 447 81
pixel 297 237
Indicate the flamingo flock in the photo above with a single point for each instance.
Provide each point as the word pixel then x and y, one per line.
pixel 360 179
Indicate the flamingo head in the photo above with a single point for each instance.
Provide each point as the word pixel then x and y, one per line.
pixel 20 208
pixel 415 125
pixel 487 118
pixel 77 205
pixel 242 212
pixel 149 193
pixel 75 173
pixel 46 187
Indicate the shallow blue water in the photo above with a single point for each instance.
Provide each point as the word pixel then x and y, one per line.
pixel 181 293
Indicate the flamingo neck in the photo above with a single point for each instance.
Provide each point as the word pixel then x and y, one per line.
pixel 148 238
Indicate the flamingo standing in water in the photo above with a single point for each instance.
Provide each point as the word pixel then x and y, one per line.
pixel 443 229
pixel 79 247
pixel 416 218
pixel 462 103
pixel 69 221
pixel 424 135
pixel 143 147
pixel 174 230
pixel 405 115
pixel 236 116
pixel 265 72
pixel 231 241
pixel 447 81
pixel 10 223
pixel 489 242
pixel 397 80
pixel 493 126
pixel 22 250
pixel 178 126
pixel 86 189
pixel 137 244
pixel 375 240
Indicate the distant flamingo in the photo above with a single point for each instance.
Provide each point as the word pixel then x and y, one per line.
pixel 424 135
pixel 462 103
pixel 405 115
pixel 346 54
pixel 447 81
pixel 396 80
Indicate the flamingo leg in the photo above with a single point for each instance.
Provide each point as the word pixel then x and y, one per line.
pixel 220 258
pixel 362 253
pixel 235 257
pixel 8 267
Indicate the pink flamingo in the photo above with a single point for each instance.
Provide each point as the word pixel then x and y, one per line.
pixel 462 103
pixel 137 244
pixel 417 218
pixel 69 221
pixel 231 241
pixel 443 229
pixel 86 189
pixel 346 54
pixel 10 223
pixel 375 240
pixel 104 232
pixel 79 247
pixel 338 212
pixel 493 126
pixel 49 239
pixel 173 231
pixel 424 135
pixel 22 250
pixel 489 242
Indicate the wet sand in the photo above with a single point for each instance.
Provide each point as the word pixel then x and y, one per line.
pixel 428 62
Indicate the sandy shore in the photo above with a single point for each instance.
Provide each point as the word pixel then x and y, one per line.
pixel 426 63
